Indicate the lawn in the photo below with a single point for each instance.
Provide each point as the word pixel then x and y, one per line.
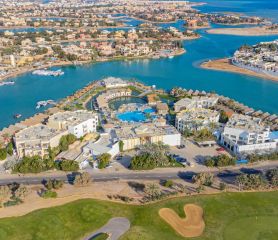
pixel 228 216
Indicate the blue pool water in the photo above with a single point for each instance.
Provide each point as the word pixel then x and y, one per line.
pixel 135 116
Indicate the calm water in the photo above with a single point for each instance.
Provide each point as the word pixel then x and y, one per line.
pixel 263 8
pixel 165 73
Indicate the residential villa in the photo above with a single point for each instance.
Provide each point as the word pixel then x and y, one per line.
pixel 195 102
pixel 78 123
pixel 196 119
pixel 244 134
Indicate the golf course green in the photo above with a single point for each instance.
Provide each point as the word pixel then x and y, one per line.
pixel 228 216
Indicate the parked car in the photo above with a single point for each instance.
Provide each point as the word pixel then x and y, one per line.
pixel 220 149
pixel 180 159
pixel 181 146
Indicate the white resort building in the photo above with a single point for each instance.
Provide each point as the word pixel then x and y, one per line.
pixel 195 102
pixel 104 98
pixel 36 140
pixel 105 144
pixel 78 123
pixel 134 135
pixel 244 134
pixel 196 119
pixel 112 82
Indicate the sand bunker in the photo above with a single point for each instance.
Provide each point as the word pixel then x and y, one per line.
pixel 191 226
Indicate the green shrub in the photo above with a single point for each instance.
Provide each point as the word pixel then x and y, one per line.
pixel 3 153
pixel 65 141
pixel 53 184
pixel 222 186
pixel 222 160
pixel 103 160
pixel 48 194
pixel 12 202
pixel 33 165
pixel 168 183
pixel 67 165
pixel 10 148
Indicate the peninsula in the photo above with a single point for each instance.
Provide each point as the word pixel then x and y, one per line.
pixel 246 31
pixel 224 64
pixel 259 60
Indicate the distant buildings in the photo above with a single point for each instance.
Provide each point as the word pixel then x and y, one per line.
pixel 195 102
pixel 195 119
pixel 244 134
pixel 262 57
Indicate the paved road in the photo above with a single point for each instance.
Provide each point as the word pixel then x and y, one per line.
pixel 185 174
pixel 115 227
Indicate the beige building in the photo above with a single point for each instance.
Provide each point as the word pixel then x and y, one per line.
pixel 162 108
pixel 195 102
pixel 36 140
pixel 134 135
pixel 103 99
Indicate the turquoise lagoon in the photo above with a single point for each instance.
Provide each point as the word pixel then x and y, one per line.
pixel 165 73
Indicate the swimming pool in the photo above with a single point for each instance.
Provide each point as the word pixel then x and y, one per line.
pixel 136 116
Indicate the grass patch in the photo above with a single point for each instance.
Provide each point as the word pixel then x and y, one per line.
pixel 228 216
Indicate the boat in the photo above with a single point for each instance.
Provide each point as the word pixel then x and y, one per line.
pixel 170 57
pixel 48 73
pixel 7 83
pixel 16 116
pixel 45 103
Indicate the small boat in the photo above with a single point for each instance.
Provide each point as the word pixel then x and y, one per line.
pixel 48 73
pixel 45 103
pixel 170 57
pixel 16 116
pixel 7 83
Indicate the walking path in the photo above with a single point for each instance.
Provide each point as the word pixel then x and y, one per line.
pixel 115 228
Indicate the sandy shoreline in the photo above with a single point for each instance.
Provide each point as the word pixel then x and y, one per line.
pixel 61 64
pixel 252 31
pixel 225 65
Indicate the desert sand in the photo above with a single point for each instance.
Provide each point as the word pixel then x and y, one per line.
pixel 191 226
pixel 225 65
pixel 251 31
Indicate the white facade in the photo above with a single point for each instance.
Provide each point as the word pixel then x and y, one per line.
pixel 78 123
pixel 195 102
pixel 83 128
pixel 112 82
pixel 104 145
pixel 196 119
pixel 244 133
